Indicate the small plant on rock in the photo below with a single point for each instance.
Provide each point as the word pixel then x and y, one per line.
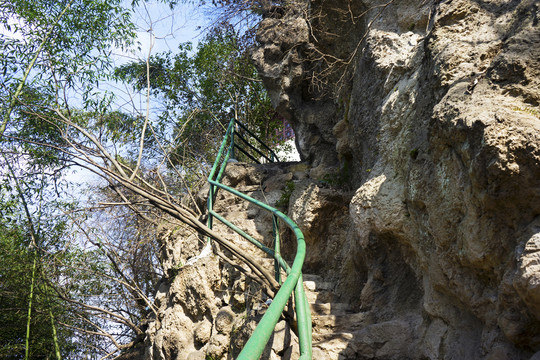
pixel 286 195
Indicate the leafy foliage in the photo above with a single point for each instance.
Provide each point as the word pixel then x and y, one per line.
pixel 23 281
pixel 202 89
pixel 80 45
pixel 52 51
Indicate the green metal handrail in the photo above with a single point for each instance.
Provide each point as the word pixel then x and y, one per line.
pixel 257 342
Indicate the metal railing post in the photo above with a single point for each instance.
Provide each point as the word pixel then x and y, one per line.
pixel 210 204
pixel 277 248
pixel 231 150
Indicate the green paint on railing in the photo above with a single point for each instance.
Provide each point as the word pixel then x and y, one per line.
pixel 293 283
pixel 277 247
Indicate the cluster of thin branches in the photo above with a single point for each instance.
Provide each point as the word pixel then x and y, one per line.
pixel 147 197
pixel 330 69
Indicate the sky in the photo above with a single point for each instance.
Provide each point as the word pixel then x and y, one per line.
pixel 170 27
pixel 159 29
pixel 164 28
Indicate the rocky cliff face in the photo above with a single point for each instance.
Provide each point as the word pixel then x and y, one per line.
pixel 428 112
pixel 419 195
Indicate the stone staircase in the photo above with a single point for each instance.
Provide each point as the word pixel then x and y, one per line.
pixel 333 322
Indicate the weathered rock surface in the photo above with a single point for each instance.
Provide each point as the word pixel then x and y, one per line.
pixel 436 131
pixel 418 122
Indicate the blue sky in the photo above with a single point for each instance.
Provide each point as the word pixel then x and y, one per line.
pixel 159 29
pixel 165 27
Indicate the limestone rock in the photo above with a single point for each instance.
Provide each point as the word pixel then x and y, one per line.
pixel 527 281
pixel 437 123
pixel 207 308
pixel 224 320
pixel 419 196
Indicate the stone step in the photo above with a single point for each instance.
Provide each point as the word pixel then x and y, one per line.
pixel 320 297
pixel 312 277
pixel 327 324
pixel 311 285
pixel 329 308
pixel 331 346
pixel 318 291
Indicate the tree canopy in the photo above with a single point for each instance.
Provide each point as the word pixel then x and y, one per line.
pixel 78 276
pixel 201 89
